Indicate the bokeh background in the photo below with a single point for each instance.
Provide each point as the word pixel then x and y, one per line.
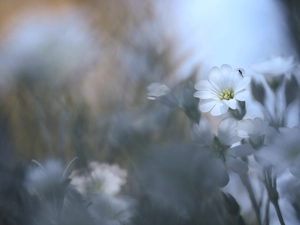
pixel 73 83
pixel 74 74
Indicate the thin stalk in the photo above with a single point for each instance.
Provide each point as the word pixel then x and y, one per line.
pixel 39 165
pixel 278 211
pixel 246 182
pixel 267 218
pixel 271 186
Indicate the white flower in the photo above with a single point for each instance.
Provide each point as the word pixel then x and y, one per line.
pixel 222 90
pixel 156 90
pixel 275 66
pixel 228 131
pixel 225 145
pixel 102 186
pixel 229 148
pixel 252 128
pixel 284 151
pixel 103 178
pixel 201 133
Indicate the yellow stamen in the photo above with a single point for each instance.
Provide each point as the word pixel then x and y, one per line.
pixel 226 94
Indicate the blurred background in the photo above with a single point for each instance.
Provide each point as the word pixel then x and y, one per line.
pixel 74 73
pixel 73 82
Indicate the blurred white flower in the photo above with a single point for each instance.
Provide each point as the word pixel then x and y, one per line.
pixel 222 90
pixel 252 128
pixel 284 151
pixel 102 186
pixel 201 133
pixel 292 114
pixel 228 131
pixel 156 90
pixel 229 146
pixel 103 178
pixel 225 145
pixel 275 66
pixel 49 49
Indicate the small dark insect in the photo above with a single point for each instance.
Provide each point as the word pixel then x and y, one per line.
pixel 241 72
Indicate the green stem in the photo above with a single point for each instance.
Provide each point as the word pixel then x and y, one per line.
pixel 271 186
pixel 278 211
pixel 246 182
pixel 267 219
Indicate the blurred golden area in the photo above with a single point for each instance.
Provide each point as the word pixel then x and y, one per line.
pixel 74 76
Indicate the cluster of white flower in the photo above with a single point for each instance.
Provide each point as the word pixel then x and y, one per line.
pixel 102 185
pixel 274 145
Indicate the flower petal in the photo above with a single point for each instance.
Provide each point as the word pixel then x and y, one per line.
pixel 203 85
pixel 233 79
pixel 201 133
pixel 227 131
pixel 255 127
pixel 242 84
pixel 206 95
pixel 216 79
pixel 274 66
pixel 244 124
pixel 205 90
pixel 226 69
pixel 242 95
pixel 214 72
pixel 219 109
pixel 242 133
pixel 230 103
pixel 207 104
pixel 156 90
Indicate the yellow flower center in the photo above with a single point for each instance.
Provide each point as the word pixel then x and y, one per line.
pixel 226 94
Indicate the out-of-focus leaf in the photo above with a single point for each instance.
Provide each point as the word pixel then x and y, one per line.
pixel 231 204
pixel 169 100
pixel 190 105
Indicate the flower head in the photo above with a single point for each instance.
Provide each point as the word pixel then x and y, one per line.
pixel 228 137
pixel 103 178
pixel 275 66
pixel 201 133
pixel 284 151
pixel 252 128
pixel 163 94
pixel 156 90
pixel 224 145
pixel 228 131
pixel 222 90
